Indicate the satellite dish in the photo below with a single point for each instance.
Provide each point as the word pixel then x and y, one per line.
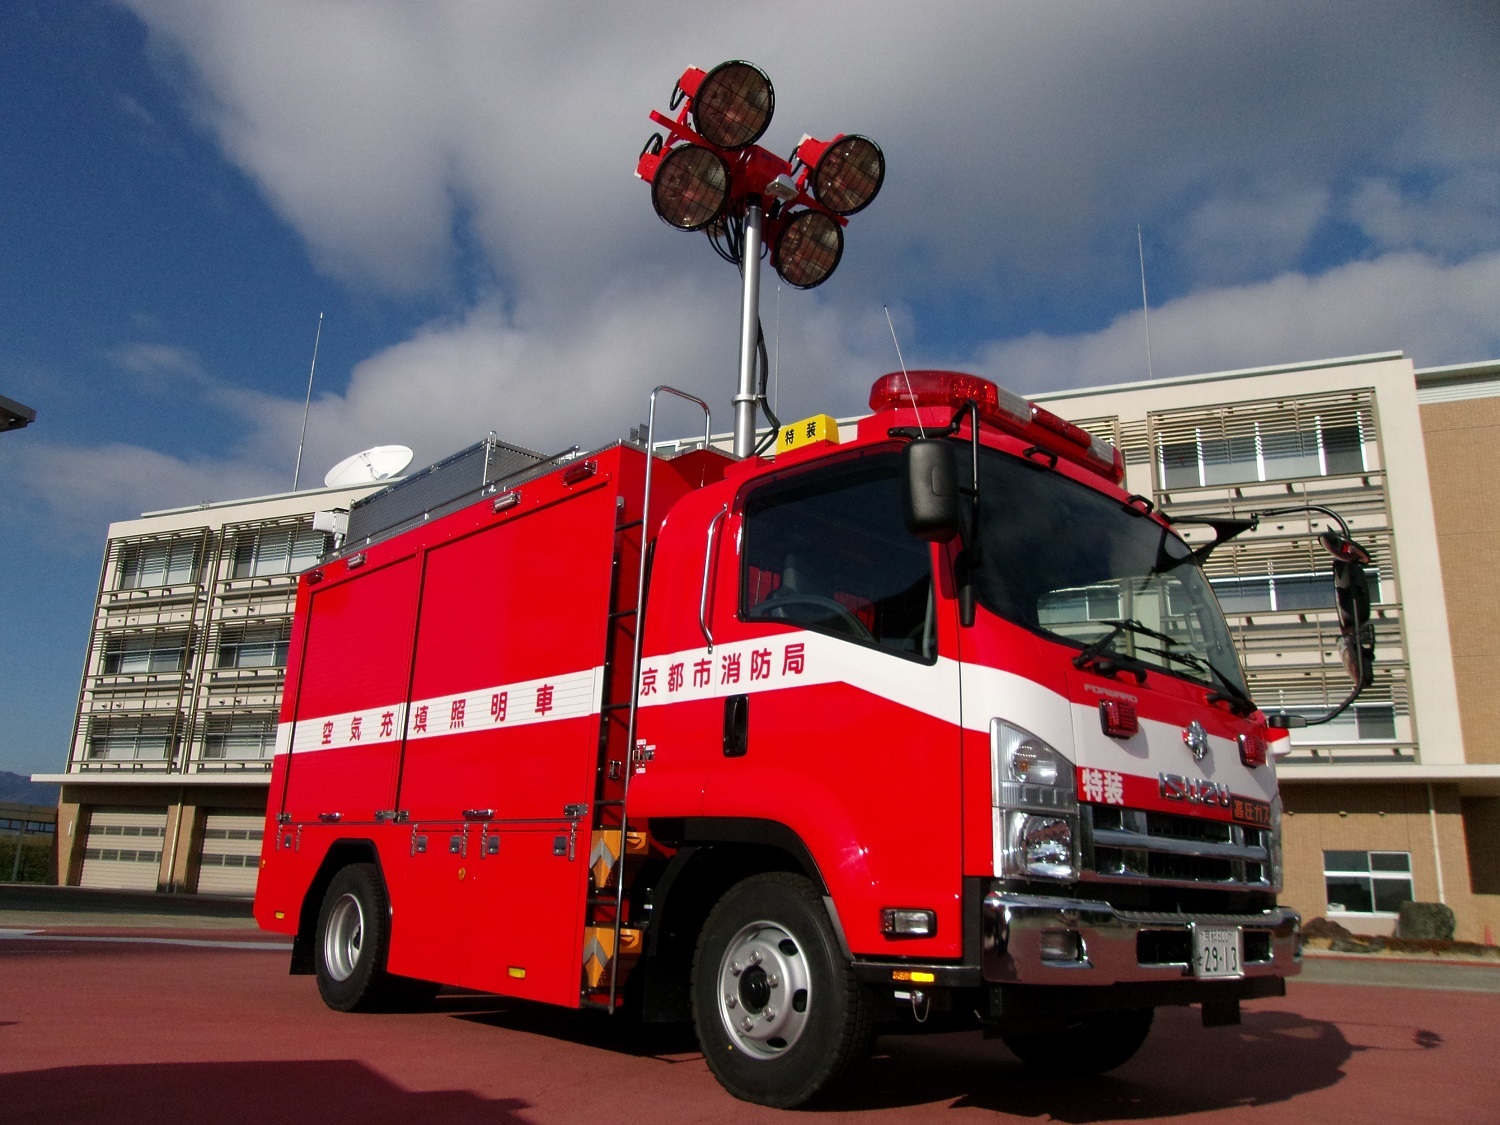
pixel 368 465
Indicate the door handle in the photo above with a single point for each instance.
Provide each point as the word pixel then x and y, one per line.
pixel 736 726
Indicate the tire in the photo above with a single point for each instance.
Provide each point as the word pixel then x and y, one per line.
pixel 1089 1044
pixel 779 1014
pixel 353 938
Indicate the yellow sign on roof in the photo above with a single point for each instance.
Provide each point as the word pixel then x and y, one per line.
pixel 820 427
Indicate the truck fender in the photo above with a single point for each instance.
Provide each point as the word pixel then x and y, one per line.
pixel 340 854
pixel 713 854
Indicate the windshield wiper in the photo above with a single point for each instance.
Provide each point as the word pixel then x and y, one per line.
pixel 1239 702
pixel 1093 658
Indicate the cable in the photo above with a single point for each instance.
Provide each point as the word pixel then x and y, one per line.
pixel 765 403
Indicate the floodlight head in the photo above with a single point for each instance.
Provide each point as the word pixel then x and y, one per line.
pixel 732 103
pixel 845 173
pixel 690 187
pixel 807 248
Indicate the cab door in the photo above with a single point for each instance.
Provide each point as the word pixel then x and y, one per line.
pixel 839 716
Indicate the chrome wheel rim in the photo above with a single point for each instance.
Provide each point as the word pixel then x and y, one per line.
pixel 765 990
pixel 344 937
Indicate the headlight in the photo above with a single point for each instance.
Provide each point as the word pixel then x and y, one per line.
pixel 1042 845
pixel 1029 773
pixel 1036 806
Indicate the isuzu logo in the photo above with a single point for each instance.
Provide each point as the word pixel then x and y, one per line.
pixel 1195 738
pixel 1194 790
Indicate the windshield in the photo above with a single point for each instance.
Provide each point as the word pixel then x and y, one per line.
pixel 1076 565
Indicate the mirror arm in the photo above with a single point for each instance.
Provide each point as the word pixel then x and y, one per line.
pixel 1283 721
pixel 1293 510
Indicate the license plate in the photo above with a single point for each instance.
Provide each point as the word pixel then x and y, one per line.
pixel 1216 951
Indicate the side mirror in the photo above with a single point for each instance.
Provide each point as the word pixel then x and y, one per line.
pixel 1357 644
pixel 932 499
pixel 1352 597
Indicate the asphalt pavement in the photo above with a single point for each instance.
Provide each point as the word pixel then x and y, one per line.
pixel 77 910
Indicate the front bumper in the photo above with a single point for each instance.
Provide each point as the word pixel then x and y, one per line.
pixel 1109 946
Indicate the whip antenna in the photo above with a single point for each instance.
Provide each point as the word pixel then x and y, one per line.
pixel 909 393
pixel 307 408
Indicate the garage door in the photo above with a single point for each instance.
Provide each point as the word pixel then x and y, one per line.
pixel 124 848
pixel 231 853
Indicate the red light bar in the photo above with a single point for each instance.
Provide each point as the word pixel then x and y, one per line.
pixel 1061 427
pixel 1002 408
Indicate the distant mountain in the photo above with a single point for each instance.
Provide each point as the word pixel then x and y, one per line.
pixel 19 787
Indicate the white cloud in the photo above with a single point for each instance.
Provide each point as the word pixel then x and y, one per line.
pixel 68 494
pixel 156 361
pixel 1408 302
pixel 455 380
pixel 491 370
pixel 1453 216
pixel 1025 143
pixel 1018 134
pixel 1238 235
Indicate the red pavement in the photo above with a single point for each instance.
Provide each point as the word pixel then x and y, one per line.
pixel 123 1033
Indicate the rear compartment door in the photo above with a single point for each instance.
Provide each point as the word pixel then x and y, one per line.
pixel 349 712
pixel 502 743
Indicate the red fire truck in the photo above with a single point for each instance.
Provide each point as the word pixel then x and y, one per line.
pixel 932 722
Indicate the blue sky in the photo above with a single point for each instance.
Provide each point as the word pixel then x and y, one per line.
pixel 186 184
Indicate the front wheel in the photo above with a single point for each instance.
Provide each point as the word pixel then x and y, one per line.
pixel 779 1014
pixel 1091 1043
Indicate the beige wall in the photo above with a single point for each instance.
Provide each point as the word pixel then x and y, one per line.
pixel 182 847
pixel 1460 437
pixel 72 831
pixel 1325 817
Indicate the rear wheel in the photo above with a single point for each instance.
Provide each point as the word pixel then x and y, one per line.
pixel 353 938
pixel 1090 1043
pixel 779 1014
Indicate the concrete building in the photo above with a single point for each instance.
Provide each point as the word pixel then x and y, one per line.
pixel 166 779
pixel 1400 798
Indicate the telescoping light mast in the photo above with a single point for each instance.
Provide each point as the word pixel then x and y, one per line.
pixel 707 173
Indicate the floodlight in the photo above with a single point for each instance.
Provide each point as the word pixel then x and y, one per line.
pixel 690 187
pixel 732 104
pixel 807 248
pixel 846 172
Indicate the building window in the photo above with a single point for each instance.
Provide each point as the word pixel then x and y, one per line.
pixel 1247 451
pixel 1081 605
pixel 1269 593
pixel 277 550
pixel 254 647
pixel 1375 722
pixel 254 835
pixel 158 564
pixel 1367 882
pixel 1363 722
pixel 126 656
pixel 239 740
pixel 129 740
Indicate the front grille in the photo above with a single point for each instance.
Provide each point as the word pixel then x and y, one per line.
pixel 1162 848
